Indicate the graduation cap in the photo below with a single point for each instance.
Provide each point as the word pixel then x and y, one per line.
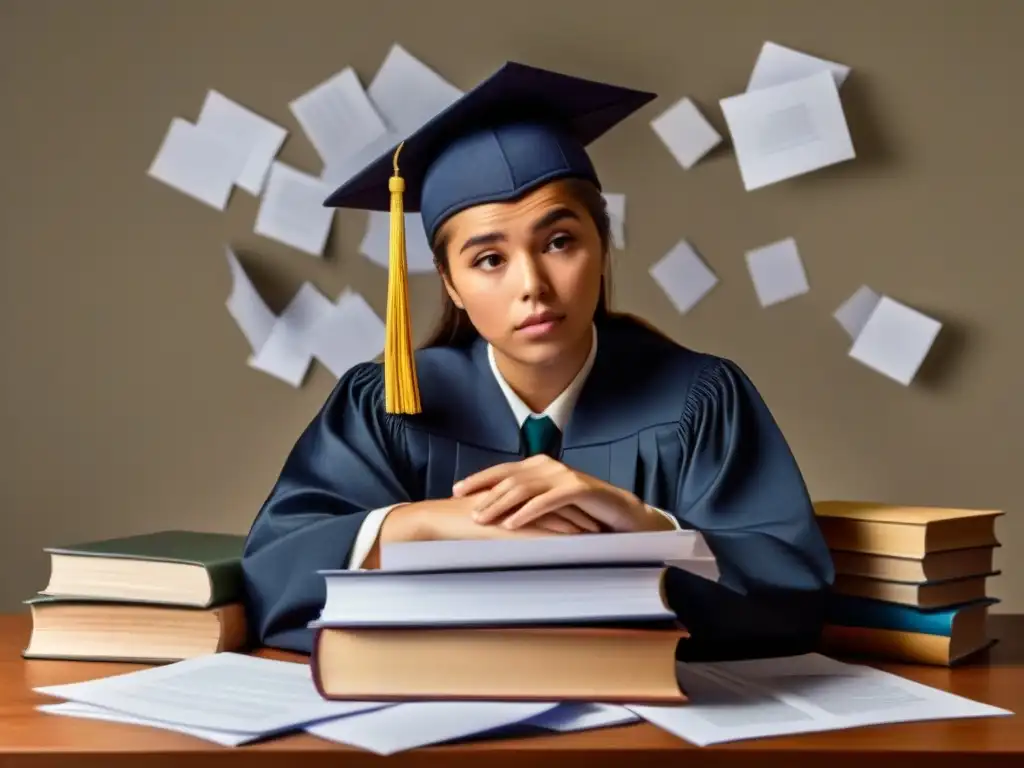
pixel 518 129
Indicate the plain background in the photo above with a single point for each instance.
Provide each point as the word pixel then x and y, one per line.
pixel 127 402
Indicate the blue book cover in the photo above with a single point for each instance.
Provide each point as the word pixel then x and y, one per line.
pixel 853 611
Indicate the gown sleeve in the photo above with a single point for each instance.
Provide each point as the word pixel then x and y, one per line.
pixel 350 460
pixel 740 486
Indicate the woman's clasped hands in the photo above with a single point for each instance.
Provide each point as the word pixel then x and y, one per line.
pixel 541 492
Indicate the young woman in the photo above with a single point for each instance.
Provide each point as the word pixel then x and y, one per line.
pixel 540 412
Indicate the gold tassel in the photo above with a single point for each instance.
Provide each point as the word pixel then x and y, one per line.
pixel 401 386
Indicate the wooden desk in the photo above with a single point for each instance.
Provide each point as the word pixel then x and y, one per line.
pixel 31 739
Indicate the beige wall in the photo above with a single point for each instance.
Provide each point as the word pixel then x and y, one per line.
pixel 126 401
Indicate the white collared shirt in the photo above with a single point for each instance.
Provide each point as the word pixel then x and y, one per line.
pixel 561 407
pixel 558 411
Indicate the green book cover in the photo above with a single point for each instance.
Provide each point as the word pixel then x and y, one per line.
pixel 220 554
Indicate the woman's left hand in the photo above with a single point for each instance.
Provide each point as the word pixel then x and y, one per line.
pixel 523 491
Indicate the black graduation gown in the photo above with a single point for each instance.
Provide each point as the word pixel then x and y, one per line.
pixel 686 431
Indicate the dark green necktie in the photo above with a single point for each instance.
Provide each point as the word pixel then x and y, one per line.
pixel 540 435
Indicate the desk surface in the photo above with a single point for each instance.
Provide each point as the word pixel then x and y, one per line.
pixel 31 738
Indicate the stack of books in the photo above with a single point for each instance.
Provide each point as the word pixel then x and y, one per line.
pixel 575 618
pixel 911 581
pixel 151 598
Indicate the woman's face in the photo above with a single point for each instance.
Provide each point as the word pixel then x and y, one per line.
pixel 528 272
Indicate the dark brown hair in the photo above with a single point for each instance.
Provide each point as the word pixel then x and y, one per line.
pixel 454 327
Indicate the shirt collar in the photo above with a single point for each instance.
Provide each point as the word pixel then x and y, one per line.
pixel 561 407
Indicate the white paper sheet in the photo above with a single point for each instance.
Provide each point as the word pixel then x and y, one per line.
pixel 777 272
pixel 377 240
pixel 338 117
pixel 292 210
pixel 732 701
pixel 686 132
pixel 615 202
pixel 220 692
pixel 254 318
pixel 684 276
pixel 788 130
pixel 407 93
pixel 416 724
pixel 571 716
pixel 286 354
pixel 92 712
pixel 895 340
pixel 199 163
pixel 350 333
pixel 853 313
pixel 256 136
pixel 777 64
pixel 607 549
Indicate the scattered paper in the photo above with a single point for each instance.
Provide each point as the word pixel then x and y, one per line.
pixel 219 692
pixel 256 136
pixel 686 132
pixel 199 163
pixel 420 723
pixel 572 716
pixel 338 117
pixel 853 313
pixel 788 129
pixel 736 700
pixel 91 712
pixel 895 340
pixel 407 93
pixel 777 64
pixel 292 210
pixel 377 240
pixel 777 272
pixel 684 276
pixel 286 354
pixel 350 333
pixel 254 318
pixel 616 206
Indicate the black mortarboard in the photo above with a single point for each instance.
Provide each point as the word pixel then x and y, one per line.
pixel 520 128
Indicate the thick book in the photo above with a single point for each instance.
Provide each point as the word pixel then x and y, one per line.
pixel 857 626
pixel 938 594
pixel 935 566
pixel 865 612
pixel 605 664
pixel 901 646
pixel 192 568
pixel 539 596
pixel 97 630
pixel 903 531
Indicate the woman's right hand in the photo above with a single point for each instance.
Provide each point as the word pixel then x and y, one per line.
pixel 453 519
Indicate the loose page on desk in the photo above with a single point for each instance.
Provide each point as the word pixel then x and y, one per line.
pixel 569 717
pixel 420 723
pixel 788 130
pixel 221 692
pixel 92 712
pixel 736 700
